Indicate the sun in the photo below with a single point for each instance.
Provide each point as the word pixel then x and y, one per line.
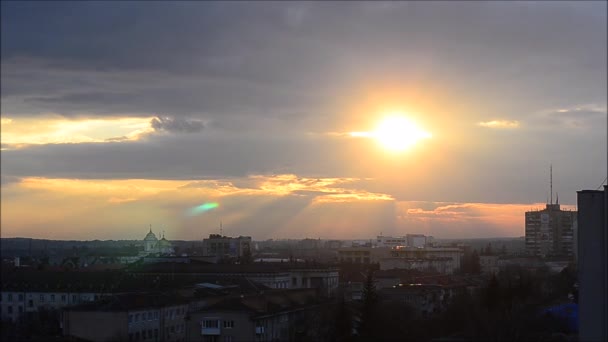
pixel 397 133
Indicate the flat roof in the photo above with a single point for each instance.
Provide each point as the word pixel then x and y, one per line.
pixel 131 301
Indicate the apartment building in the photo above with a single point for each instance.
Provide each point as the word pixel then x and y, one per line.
pixel 278 315
pixel 128 317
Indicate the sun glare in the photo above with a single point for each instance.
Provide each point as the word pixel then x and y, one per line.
pixel 397 133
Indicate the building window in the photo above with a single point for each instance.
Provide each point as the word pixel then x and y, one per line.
pixel 10 297
pixel 9 309
pixel 156 333
pixel 210 323
pixel 149 316
pixel 42 298
pixel 227 338
pixel 30 303
pixel 63 298
pixel 136 317
pixel 156 315
pixel 228 324
pixel 20 309
pixel 52 298
pixel 172 329
pixel 74 299
pixel 130 319
pixel 21 297
pixel 150 333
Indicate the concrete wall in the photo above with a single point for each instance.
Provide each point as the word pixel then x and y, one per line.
pixel 242 327
pixel 34 301
pixel 440 265
pixel 328 280
pixel 96 326
pixel 592 264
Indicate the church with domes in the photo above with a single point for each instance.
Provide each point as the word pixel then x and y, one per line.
pixel 154 246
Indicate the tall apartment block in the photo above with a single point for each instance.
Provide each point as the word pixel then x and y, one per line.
pixel 550 232
pixel 221 246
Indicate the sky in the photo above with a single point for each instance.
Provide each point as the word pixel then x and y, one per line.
pixel 121 115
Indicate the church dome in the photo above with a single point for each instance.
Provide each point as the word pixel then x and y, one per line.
pixel 150 236
pixel 164 243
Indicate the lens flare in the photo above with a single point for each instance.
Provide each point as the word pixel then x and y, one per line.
pixel 203 208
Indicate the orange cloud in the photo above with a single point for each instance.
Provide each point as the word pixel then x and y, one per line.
pixel 261 206
pixel 502 124
pixel 468 219
pixel 55 129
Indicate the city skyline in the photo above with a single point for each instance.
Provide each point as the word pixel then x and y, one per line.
pixel 282 115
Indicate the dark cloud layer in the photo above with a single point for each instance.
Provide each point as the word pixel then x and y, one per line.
pixel 266 57
pixel 255 77
pixel 178 125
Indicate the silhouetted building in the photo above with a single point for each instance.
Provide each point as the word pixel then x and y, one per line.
pixel 225 246
pixel 593 264
pixel 410 240
pixel 440 259
pixel 391 241
pixel 362 255
pixel 128 317
pixel 273 275
pixel 425 300
pixel 444 260
pixel 489 264
pixel 272 316
pixel 550 232
pixel 416 240
pixel 27 292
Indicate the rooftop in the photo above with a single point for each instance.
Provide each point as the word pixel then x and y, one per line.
pixel 227 268
pixel 268 302
pixel 127 302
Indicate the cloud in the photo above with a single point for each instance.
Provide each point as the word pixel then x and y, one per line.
pixel 121 199
pixel 581 117
pixel 353 197
pixel 177 125
pixel 55 129
pixel 500 124
pixel 267 73
pixel 79 99
pixel 125 208
pixel 277 207
pixel 6 180
pixel 466 219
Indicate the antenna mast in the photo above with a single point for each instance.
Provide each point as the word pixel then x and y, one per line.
pixel 551 180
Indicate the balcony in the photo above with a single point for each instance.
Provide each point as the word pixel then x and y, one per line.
pixel 210 327
pixel 210 331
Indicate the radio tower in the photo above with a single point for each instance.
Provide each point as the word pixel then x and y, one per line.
pixel 551 181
